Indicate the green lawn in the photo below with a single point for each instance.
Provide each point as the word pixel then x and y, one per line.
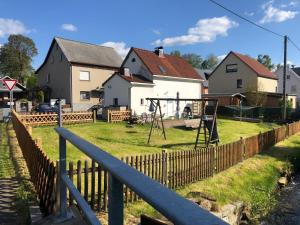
pixel 6 165
pixel 120 140
pixel 254 181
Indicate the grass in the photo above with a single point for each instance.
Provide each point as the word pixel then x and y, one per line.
pixel 254 181
pixel 120 140
pixel 6 165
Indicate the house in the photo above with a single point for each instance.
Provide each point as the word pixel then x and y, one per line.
pixel 239 73
pixel 292 81
pixel 204 74
pixel 152 74
pixel 75 71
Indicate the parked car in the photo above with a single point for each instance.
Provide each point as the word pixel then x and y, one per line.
pixel 46 108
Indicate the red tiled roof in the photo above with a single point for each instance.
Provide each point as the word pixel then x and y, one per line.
pixel 260 69
pixel 167 65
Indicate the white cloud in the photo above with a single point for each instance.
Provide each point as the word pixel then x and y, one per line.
pixel 206 30
pixel 273 14
pixel 290 4
pixel 221 57
pixel 155 31
pixel 68 27
pixel 11 26
pixel 120 47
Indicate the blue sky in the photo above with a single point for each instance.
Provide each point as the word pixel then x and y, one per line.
pixel 189 26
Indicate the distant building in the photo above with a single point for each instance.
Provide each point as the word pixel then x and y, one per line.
pixel 292 81
pixel 147 74
pixel 75 71
pixel 204 74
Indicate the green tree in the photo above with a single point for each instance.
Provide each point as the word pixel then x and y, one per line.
pixel 266 61
pixel 193 59
pixel 175 53
pixel 31 81
pixel 16 57
pixel 210 62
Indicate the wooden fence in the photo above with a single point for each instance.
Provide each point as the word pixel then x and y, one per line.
pixel 173 169
pixel 46 119
pixel 42 170
pixel 118 115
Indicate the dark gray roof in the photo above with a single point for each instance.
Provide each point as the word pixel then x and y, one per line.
pixel 79 52
pixel 296 70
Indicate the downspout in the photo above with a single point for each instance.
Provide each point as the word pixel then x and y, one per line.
pixel 71 88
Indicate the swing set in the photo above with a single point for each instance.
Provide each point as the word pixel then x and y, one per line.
pixel 207 124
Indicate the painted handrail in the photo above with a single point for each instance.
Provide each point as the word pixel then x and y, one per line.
pixel 174 207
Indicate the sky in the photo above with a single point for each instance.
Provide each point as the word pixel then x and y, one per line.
pixel 190 26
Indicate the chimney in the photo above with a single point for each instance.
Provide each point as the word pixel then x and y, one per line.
pixel 126 72
pixel 159 51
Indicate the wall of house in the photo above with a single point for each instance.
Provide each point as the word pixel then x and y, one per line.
pixel 267 85
pixel 166 87
pixel 291 83
pixel 222 82
pixel 117 87
pixel 97 77
pixel 139 92
pixel 59 69
pixel 137 67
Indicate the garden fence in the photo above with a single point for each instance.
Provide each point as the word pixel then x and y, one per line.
pixel 46 119
pixel 173 169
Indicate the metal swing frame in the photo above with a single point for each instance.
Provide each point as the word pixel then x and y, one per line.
pixel 157 105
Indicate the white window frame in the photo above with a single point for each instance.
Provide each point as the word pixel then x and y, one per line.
pixel 84 75
pixel 85 99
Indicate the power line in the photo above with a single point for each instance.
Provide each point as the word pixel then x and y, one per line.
pixel 247 20
pixel 294 44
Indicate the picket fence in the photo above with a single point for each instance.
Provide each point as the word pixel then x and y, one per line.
pixel 173 169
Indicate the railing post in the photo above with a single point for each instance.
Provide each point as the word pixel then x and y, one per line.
pixel 62 170
pixel 94 115
pixel 164 167
pixel 115 202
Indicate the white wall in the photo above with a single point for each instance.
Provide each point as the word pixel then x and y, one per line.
pixel 294 80
pixel 168 88
pixel 138 66
pixel 139 92
pixel 116 87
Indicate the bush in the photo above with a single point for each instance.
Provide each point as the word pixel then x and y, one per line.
pixel 40 97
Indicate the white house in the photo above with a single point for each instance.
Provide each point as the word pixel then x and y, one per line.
pixel 152 74
pixel 292 81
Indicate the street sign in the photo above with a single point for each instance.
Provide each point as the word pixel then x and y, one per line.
pixel 9 83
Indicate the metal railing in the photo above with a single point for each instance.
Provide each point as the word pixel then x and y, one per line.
pixel 177 209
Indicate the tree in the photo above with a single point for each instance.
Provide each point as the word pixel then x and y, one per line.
pixel 31 81
pixel 210 62
pixel 16 57
pixel 193 59
pixel 266 61
pixel 255 96
pixel 175 53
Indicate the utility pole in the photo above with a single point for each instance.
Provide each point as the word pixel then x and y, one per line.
pixel 284 78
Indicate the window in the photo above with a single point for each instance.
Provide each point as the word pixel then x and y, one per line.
pixel 133 60
pixel 116 102
pixel 142 101
pixel 161 69
pixel 293 89
pixel 48 78
pixel 84 75
pixel 85 95
pixel 239 83
pixel 231 68
pixel 288 77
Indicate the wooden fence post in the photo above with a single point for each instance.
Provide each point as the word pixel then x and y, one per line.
pixel 243 150
pixel 164 167
pixel 94 115
pixel 108 115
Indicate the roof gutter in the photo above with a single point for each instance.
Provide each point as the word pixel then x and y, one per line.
pixel 179 78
